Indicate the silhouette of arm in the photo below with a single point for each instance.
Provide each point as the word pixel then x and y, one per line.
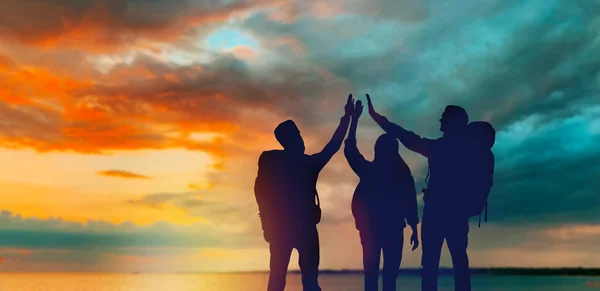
pixel 355 159
pixel 334 144
pixel 409 139
pixel 412 213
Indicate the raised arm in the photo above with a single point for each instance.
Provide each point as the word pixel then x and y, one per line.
pixel 409 139
pixel 335 143
pixel 355 159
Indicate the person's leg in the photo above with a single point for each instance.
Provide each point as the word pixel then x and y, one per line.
pixel 458 240
pixel 371 259
pixel 308 260
pixel 432 237
pixel 280 259
pixel 392 256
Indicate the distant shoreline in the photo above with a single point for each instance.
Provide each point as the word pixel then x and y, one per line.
pixel 508 271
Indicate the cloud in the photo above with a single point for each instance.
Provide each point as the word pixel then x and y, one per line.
pixel 123 110
pixel 546 169
pixel 32 244
pixel 55 233
pixel 158 200
pixel 102 26
pixel 209 205
pixel 149 81
pixel 123 174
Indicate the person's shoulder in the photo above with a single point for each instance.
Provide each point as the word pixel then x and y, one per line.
pixel 440 139
pixel 270 154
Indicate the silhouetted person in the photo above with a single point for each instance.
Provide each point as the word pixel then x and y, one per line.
pixel 443 216
pixel 481 136
pixel 384 198
pixel 285 190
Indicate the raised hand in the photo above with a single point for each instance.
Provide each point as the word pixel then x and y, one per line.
pixel 370 104
pixel 349 107
pixel 358 109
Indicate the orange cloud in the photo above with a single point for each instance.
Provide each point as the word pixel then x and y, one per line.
pixel 106 26
pixel 123 174
pixel 21 84
pixel 151 103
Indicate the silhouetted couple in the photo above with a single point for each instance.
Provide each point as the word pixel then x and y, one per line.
pixel 460 172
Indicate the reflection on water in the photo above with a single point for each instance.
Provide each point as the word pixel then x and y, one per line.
pixel 258 282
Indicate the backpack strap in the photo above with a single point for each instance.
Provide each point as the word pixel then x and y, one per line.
pixel 486 210
pixel 426 180
pixel 485 219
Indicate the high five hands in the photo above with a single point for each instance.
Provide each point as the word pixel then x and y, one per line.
pixel 355 110
pixel 358 108
pixel 372 112
pixel 349 107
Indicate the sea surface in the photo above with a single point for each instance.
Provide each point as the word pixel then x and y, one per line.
pixel 257 282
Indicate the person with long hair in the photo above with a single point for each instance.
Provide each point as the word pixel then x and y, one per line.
pixel 384 201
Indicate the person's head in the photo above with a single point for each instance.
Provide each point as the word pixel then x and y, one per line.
pixel 454 119
pixel 288 135
pixel 482 133
pixel 386 147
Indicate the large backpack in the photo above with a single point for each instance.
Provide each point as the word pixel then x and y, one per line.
pixel 265 194
pixel 270 199
pixel 476 199
pixel 475 174
pixel 480 168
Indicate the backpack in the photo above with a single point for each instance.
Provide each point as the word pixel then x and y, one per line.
pixel 479 185
pixel 480 168
pixel 270 199
pixel 478 182
pixel 266 199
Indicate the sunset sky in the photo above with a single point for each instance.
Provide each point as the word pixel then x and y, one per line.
pixel 130 130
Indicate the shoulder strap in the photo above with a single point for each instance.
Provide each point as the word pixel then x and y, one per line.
pixel 485 219
pixel 486 210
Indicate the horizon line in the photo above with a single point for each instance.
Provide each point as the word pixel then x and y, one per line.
pixel 474 270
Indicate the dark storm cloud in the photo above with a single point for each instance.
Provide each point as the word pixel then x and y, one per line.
pixel 106 25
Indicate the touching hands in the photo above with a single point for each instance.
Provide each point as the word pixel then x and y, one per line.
pixel 349 107
pixel 358 109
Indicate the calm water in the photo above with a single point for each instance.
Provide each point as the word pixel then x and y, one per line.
pixel 257 282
